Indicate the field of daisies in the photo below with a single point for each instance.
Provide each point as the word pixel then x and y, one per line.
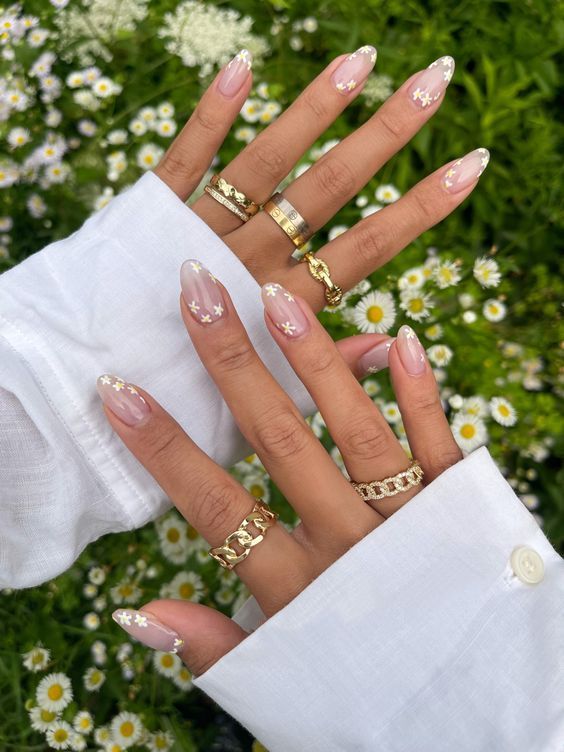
pixel 91 94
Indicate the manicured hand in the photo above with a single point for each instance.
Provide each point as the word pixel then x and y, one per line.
pixel 333 515
pixel 328 184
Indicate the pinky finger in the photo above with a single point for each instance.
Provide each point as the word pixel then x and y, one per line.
pixel 427 428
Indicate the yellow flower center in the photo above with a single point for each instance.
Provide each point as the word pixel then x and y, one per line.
pixel 186 590
pixel 504 410
pixel 191 533
pixel 95 677
pixel 127 728
pixel 374 314
pixel 173 535
pixel 125 590
pixel 85 723
pixel 37 658
pixel 160 742
pixel 47 716
pixel 55 692
pixel 416 305
pixel 468 431
pixel 167 661
pixel 256 490
pixel 60 735
pixel 412 279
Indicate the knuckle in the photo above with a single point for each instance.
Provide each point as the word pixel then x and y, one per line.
pixel 321 363
pixel 426 405
pixel 366 439
pixel 422 205
pixel 441 456
pixel 207 120
pixel 213 504
pixel 315 104
pixel 334 178
pixel 280 433
pixel 266 158
pixel 369 244
pixel 162 446
pixel 392 123
pixel 234 354
pixel 175 164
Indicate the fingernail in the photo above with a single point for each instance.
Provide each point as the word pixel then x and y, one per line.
pixel 465 171
pixel 411 351
pixel 123 399
pixel 201 292
pixel 430 83
pixel 148 630
pixel 235 73
pixel 284 311
pixel 354 69
pixel 377 358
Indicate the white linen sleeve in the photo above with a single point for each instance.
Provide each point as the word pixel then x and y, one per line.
pixel 106 299
pixel 429 635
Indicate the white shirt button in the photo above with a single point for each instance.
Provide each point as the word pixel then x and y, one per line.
pixel 527 565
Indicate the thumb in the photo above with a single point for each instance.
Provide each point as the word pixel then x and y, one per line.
pixel 200 635
pixel 365 351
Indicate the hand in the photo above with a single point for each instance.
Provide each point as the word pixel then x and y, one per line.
pixel 332 181
pixel 333 515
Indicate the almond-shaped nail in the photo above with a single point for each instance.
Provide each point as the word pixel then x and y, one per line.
pixel 429 85
pixel 148 629
pixel 465 171
pixel 284 310
pixel 201 292
pixel 123 399
pixel 376 359
pixel 411 351
pixel 354 69
pixel 235 74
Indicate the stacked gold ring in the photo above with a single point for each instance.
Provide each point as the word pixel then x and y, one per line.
pixel 395 484
pixel 288 219
pixel 227 195
pixel 262 517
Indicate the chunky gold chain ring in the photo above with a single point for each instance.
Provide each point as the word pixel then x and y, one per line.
pixel 320 271
pixel 262 517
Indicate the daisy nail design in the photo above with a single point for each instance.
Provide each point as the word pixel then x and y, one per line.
pixel 148 630
pixel 411 351
pixel 354 69
pixel 465 171
pixel 376 359
pixel 201 292
pixel 430 84
pixel 235 73
pixel 123 399
pixel 283 310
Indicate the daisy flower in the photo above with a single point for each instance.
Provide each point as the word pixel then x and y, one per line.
pixel 412 279
pixel 531 501
pixel 447 274
pixel 89 590
pixel 371 387
pixel 186 586
pixel 147 115
pixel 494 310
pixel 102 735
pixel 440 355
pixel 252 110
pixel 75 80
pixel 502 411
pixel 370 209
pixel 36 659
pixel 375 312
pixel 166 128
pixel 469 317
pixel 117 137
pixel 183 679
pixel 167 664
pixel 18 137
pixel 224 596
pixel 83 722
pixel 486 272
pixel 149 155
pixel 387 194
pixel 245 134
pixel 54 692
pixel 97 575
pixel 335 231
pixel 477 406
pixel 161 741
pixel 434 332
pixel 59 735
pixel 126 729
pixel 104 87
pixel 390 411
pixel 138 127
pixel 165 110
pixel 78 742
pixel 257 486
pixel 469 431
pixel 91 621
pixel 42 719
pixel 93 679
pixel 416 304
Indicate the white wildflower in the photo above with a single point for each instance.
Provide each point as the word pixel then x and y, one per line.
pixel 416 304
pixel 502 411
pixel 486 271
pixel 166 128
pixel 375 312
pixel 149 155
pixel 494 310
pixel 36 659
pixel 18 137
pixel 387 194
pixel 469 431
pixel 447 274
pixel 440 355
pixel 54 692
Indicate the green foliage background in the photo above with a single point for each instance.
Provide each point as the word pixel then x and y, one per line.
pixel 504 96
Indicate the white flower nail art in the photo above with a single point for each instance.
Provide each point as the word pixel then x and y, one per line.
pixel 141 620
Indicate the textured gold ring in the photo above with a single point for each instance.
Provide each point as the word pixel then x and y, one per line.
pixel 220 198
pixel 288 218
pixel 381 489
pixel 320 271
pixel 262 517
pixel 230 192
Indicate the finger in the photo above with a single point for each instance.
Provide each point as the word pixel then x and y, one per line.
pixel 198 634
pixel 260 167
pixel 368 445
pixel 191 153
pixel 266 416
pixel 427 428
pixel 205 494
pixel 376 239
pixel 332 181
pixel 365 353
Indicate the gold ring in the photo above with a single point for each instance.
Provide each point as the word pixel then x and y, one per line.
pixel 220 198
pixel 262 518
pixel 288 218
pixel 380 489
pixel 320 271
pixel 238 197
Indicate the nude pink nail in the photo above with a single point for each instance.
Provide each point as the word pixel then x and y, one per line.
pixel 376 359
pixel 354 69
pixel 284 310
pixel 465 171
pixel 201 292
pixel 411 351
pixel 235 74
pixel 123 399
pixel 148 629
pixel 430 84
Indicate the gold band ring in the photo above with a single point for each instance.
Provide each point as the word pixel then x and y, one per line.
pixel 380 489
pixel 262 517
pixel 238 197
pixel 220 198
pixel 320 271
pixel 288 218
